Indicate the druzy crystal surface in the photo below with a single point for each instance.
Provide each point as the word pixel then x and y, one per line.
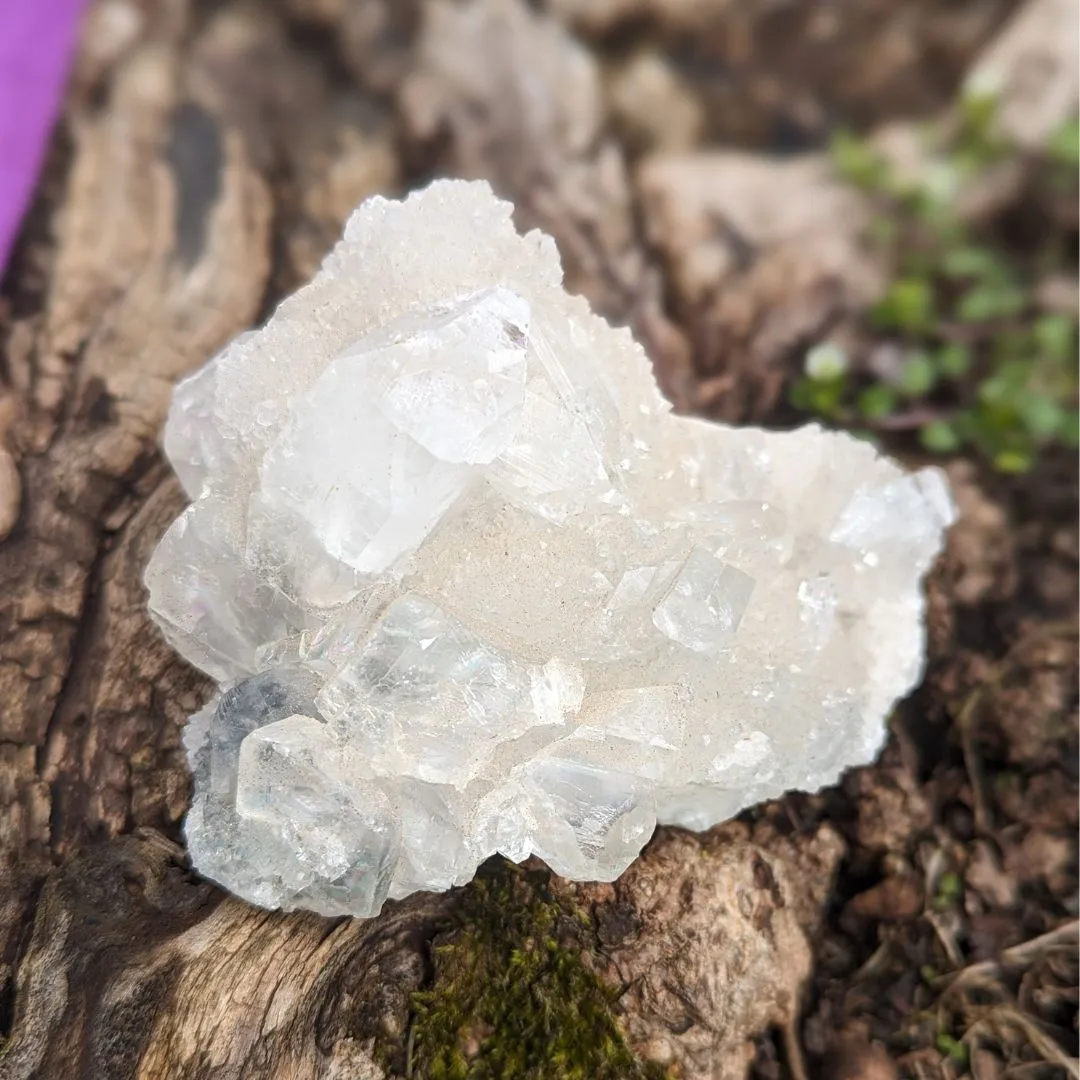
pixel 468 586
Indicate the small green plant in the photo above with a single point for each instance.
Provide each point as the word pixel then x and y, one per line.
pixel 953 1049
pixel 950 890
pixel 972 362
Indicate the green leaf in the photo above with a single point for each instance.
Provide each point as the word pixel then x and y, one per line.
pixel 929 206
pixel 994 390
pixel 977 263
pixel 978 141
pixel 953 360
pixel 1054 337
pixel 940 186
pixel 939 437
pixel 908 306
pixel 1041 415
pixel 952 1048
pixel 857 162
pixel 1008 382
pixel 966 426
pixel 1064 145
pixel 918 375
pixel 984 303
pixel 950 887
pixel 826 397
pixel 977 305
pixel 1015 462
pixel 979 99
pixel 801 394
pixel 822 398
pixel 1068 432
pixel 877 402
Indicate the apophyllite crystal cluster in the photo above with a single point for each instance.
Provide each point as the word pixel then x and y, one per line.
pixel 469 587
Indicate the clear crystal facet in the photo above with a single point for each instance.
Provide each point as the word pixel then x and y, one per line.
pixel 469 586
pixel 704 604
pixel 425 697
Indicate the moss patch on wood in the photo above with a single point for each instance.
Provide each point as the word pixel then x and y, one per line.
pixel 512 996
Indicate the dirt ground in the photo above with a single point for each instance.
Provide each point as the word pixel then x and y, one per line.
pixel 918 920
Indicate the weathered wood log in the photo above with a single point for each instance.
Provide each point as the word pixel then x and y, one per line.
pixel 137 969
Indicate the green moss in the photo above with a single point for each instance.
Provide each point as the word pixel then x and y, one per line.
pixel 511 996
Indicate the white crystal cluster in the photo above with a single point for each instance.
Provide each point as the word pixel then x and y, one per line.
pixel 469 586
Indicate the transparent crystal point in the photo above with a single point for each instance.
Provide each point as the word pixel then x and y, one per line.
pixel 293 777
pixel 704 603
pixel 425 697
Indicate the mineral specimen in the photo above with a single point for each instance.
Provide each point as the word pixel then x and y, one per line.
pixel 469 586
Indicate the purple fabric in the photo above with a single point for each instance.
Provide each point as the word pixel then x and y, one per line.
pixel 36 42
